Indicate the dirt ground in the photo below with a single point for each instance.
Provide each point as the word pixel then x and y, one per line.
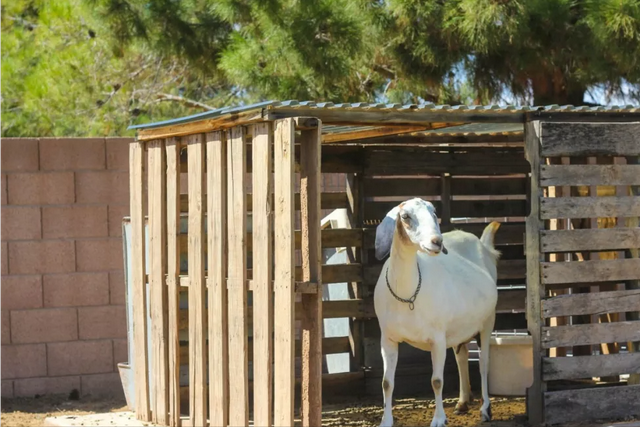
pixel 419 411
pixel 31 412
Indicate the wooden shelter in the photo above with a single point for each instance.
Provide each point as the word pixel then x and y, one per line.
pixel 248 182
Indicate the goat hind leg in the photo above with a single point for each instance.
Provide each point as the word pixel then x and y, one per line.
pixel 390 361
pixel 485 335
pixel 462 359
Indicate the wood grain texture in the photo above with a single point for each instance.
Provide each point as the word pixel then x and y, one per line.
pixel 157 285
pixel 262 274
pixel 592 303
pixel 334 200
pixel 311 325
pixel 535 289
pixel 590 271
pixel 589 207
pixel 590 239
pixel 590 139
pixel 589 175
pixel 577 367
pixel 237 255
pixel 217 279
pixel 591 404
pixel 284 257
pixel 137 205
pixel 197 312
pixel 594 333
pixel 173 276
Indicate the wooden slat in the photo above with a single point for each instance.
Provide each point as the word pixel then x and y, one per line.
pixel 590 404
pixel 592 303
pixel 590 139
pixel 589 207
pixel 262 275
pixel 594 333
pixel 311 325
pixel 410 187
pixel 334 200
pixel 377 132
pixel 590 239
pixel 590 271
pixel 535 289
pixel 197 312
pixel 590 175
pixel 136 194
pixel 217 294
pixel 157 288
pixel 237 292
pixel 577 367
pixel 284 258
pixel 488 208
pixel 173 273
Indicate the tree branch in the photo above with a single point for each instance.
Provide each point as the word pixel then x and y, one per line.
pixel 186 101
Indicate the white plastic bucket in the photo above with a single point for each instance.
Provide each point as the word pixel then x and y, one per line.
pixel 510 365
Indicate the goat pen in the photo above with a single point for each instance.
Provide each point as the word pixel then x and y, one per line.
pixel 228 268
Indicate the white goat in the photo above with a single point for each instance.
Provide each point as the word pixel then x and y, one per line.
pixel 457 301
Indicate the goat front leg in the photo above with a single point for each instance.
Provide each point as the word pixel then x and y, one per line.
pixel 390 361
pixel 438 356
pixel 462 359
pixel 485 339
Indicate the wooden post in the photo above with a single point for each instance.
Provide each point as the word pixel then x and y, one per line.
pixel 173 276
pixel 311 272
pixel 284 270
pixel 535 289
pixel 217 279
pixel 237 272
pixel 158 289
pixel 136 183
pixel 197 286
pixel 356 326
pixel 634 347
pixel 262 274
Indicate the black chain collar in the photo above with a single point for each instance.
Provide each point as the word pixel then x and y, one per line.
pixel 415 294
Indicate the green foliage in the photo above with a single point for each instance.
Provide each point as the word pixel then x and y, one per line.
pixel 93 67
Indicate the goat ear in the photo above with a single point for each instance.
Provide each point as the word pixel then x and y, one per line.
pixel 384 233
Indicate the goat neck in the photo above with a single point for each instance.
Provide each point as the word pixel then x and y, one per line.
pixel 403 268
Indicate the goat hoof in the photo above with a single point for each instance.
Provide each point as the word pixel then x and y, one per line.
pixel 461 408
pixel 486 414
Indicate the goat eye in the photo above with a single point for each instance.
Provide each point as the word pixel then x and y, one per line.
pixel 404 216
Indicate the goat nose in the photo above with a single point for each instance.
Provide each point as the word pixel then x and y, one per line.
pixel 437 240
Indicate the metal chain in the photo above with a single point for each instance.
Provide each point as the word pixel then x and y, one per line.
pixel 415 294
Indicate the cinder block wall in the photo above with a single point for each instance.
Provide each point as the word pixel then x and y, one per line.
pixel 63 302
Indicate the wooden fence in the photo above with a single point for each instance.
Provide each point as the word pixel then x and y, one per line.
pixel 583 270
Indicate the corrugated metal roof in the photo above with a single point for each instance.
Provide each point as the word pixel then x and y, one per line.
pixel 274 106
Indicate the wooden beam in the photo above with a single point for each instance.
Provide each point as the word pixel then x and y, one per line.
pixel 535 289
pixel 590 271
pixel 137 197
pixel 359 134
pixel 262 274
pixel 591 333
pixel 577 367
pixel 157 286
pixel 605 403
pixel 590 239
pixel 589 207
pixel 237 256
pixel 592 303
pixel 590 175
pixel 284 258
pixel 311 325
pixel 197 312
pixel 590 139
pixel 217 279
pixel 173 273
